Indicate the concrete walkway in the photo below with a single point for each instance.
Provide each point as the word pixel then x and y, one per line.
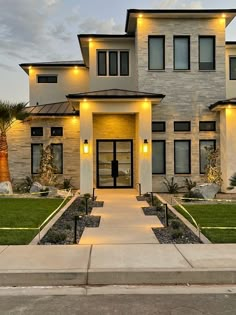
pixel 122 220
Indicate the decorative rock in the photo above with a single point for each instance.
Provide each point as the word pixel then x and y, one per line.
pixel 6 188
pixel 36 187
pixel 205 191
pixel 52 191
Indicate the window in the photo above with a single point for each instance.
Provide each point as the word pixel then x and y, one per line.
pixel 57 150
pixel 203 146
pixel 206 52
pixel 57 131
pixel 182 126
pixel 158 157
pixel 124 63
pixel 36 153
pixel 47 78
pixel 156 52
pixel 117 63
pixel 207 126
pixel 36 131
pixel 182 156
pixel 158 126
pixel 181 52
pixel 232 68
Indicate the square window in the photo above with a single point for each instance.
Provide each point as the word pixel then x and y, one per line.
pixel 158 126
pixel 232 68
pixel 56 131
pixel 182 126
pixel 36 131
pixel 207 126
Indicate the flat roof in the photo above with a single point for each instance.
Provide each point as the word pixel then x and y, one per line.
pixel 223 104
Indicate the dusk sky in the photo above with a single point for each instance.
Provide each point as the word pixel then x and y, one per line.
pixel 45 30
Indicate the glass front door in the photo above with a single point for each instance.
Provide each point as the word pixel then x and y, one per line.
pixel 114 163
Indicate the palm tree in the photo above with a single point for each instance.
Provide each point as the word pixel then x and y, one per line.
pixel 9 112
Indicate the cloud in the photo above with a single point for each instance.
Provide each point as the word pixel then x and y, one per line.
pixel 93 25
pixel 7 67
pixel 167 4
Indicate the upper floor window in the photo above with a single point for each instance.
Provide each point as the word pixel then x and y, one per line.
pixel 47 78
pixel 156 52
pixel 207 126
pixel 232 68
pixel 182 126
pixel 158 126
pixel 206 52
pixel 36 131
pixel 181 52
pixel 57 131
pixel 112 63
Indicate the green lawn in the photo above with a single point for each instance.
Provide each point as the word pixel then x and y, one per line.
pixel 29 213
pixel 218 215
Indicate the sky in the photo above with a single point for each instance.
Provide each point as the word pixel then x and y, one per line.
pixel 46 30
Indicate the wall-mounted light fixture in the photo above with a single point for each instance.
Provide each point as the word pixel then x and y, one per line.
pixel 86 146
pixel 145 146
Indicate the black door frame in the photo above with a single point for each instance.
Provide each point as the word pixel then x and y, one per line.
pixel 114 159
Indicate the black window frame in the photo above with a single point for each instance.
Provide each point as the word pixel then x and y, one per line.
pixel 160 123
pixel 164 57
pixel 54 131
pixel 38 131
pixel 202 122
pixel 214 52
pixel 230 72
pixel 182 122
pixel 32 145
pixel 189 52
pixel 201 140
pixel 124 52
pixel 189 157
pixel 62 162
pixel 47 78
pixel 164 157
pixel 113 52
pixel 105 53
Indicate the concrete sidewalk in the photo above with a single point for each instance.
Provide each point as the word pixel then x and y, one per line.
pixel 117 264
pixel 122 220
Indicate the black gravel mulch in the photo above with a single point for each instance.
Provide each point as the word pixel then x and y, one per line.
pixel 62 232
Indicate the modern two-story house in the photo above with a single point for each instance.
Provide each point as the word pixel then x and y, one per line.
pixel 139 107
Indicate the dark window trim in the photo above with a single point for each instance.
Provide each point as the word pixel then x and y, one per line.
pixel 214 140
pixel 164 58
pixel 214 51
pixel 61 128
pixel 103 52
pixel 160 122
pixel 32 135
pixel 189 51
pixel 33 144
pixel 164 141
pixel 230 74
pixel 189 165
pixel 47 76
pixel 62 162
pixel 124 52
pixel 187 121
pixel 207 121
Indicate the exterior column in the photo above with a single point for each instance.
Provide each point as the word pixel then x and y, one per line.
pixel 227 146
pixel 145 158
pixel 86 159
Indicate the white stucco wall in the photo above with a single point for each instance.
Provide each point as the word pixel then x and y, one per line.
pixel 69 80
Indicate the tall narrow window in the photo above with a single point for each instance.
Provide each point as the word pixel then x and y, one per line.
pixel 182 153
pixel 156 53
pixel 113 60
pixel 124 63
pixel 102 63
pixel 36 153
pixel 206 52
pixel 181 52
pixel 232 68
pixel 203 146
pixel 57 150
pixel 158 157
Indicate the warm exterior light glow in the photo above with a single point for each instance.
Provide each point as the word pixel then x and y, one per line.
pixel 86 147
pixel 145 146
pixel 85 100
pixel 140 16
pixel 30 67
pixel 76 67
pixel 223 15
pixel 90 39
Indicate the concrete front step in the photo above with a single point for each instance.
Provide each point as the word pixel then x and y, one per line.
pixel 138 264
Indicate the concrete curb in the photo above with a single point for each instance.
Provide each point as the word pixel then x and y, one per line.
pixel 185 221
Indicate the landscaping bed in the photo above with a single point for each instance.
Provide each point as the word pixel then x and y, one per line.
pixel 62 232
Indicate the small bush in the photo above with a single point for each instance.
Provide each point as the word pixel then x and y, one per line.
pixel 176 233
pixel 172 186
pixel 175 224
pixel 55 237
pixel 189 184
pixel 67 183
